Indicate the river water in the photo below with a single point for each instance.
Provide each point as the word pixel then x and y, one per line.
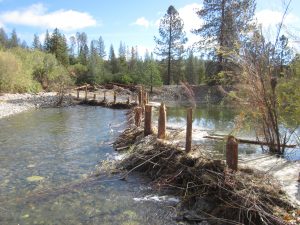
pixel 217 119
pixel 46 156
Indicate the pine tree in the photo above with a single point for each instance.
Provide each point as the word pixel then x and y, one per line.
pixel 59 47
pixel 172 39
pixel 36 42
pixel 101 48
pixel 113 60
pixel 14 40
pixel 46 46
pixel 190 69
pixel 225 24
pixel 3 39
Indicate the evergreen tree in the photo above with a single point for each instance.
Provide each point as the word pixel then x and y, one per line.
pixel 172 38
pixel 72 47
pixel 113 60
pixel 225 23
pixel 101 48
pixel 36 42
pixel 47 42
pixel 3 39
pixel 83 49
pixel 13 41
pixel 58 47
pixel 190 69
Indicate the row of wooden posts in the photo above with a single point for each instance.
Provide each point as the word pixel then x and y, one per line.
pixel 145 108
pixel 94 97
pixel 231 146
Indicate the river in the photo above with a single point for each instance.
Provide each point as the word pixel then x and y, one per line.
pixel 46 156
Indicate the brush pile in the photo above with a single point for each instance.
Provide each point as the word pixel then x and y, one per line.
pixel 207 188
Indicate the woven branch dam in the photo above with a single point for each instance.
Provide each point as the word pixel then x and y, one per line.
pixel 93 163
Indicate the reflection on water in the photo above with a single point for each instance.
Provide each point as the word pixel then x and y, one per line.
pixel 215 119
pixel 51 148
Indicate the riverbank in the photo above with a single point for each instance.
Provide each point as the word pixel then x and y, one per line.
pixel 11 104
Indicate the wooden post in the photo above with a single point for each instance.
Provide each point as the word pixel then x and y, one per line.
pixel 140 97
pixel 77 94
pixel 145 98
pixel 115 97
pixel 128 100
pixel 136 98
pixel 94 97
pixel 189 121
pixel 85 97
pixel 148 120
pixel 138 116
pixel 162 122
pixel 232 153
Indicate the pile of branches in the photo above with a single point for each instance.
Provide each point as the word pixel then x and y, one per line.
pixel 242 197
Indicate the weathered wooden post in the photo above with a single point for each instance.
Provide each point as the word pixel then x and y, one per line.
pixel 162 122
pixel 94 97
pixel 148 120
pixel 104 96
pixel 128 100
pixel 115 97
pixel 232 153
pixel 85 97
pixel 140 97
pixel 138 116
pixel 189 122
pixel 145 97
pixel 136 98
pixel 77 94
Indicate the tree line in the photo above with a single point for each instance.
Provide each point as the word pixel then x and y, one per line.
pixel 228 29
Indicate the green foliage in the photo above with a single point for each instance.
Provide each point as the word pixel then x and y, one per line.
pixel 79 73
pixel 28 71
pixel 288 92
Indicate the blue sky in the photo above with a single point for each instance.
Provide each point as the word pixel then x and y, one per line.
pixel 134 22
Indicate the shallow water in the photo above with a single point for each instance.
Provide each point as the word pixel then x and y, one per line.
pixel 45 157
pixel 215 119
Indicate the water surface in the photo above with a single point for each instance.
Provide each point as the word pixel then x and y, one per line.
pixel 45 157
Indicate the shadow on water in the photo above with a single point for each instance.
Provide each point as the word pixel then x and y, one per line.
pixel 47 155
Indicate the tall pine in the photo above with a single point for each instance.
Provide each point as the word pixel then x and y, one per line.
pixel 172 38
pixel 226 22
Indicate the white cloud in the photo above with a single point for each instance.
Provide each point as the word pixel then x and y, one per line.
pixel 269 18
pixel 191 21
pixel 37 15
pixel 189 16
pixel 142 22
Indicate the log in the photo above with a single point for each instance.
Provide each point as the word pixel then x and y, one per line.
pixel 245 141
pixel 232 153
pixel 148 120
pixel 161 134
pixel 189 121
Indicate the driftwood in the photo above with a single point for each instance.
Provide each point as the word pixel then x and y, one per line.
pixel 82 88
pixel 111 85
pixel 245 141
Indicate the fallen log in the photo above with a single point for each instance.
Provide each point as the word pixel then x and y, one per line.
pixel 245 141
